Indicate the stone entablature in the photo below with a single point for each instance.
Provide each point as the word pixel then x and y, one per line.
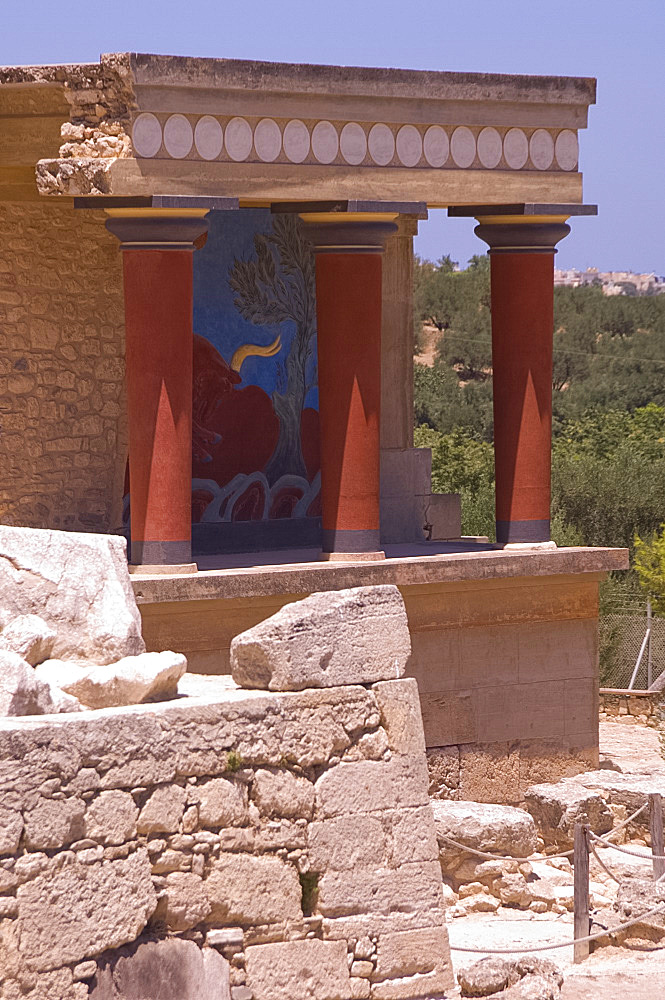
pixel 138 125
pixel 291 832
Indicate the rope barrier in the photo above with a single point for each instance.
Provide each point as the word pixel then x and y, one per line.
pixel 560 944
pixel 604 866
pixel 627 850
pixel 501 857
pixel 625 822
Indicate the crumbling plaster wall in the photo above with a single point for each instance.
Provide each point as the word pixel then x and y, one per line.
pixel 290 832
pixel 63 437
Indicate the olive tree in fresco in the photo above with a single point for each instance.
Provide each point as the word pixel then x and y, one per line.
pixel 275 287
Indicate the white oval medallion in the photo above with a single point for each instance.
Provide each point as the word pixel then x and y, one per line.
pixel 146 135
pixel 490 148
pixel 381 144
pixel 353 143
pixel 566 149
pixel 515 148
pixel 541 149
pixel 296 141
pixel 238 139
pixel 409 145
pixel 463 147
pixel 208 137
pixel 436 146
pixel 325 143
pixel 178 136
pixel 267 140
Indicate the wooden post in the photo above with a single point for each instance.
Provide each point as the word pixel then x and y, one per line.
pixel 656 830
pixel 581 891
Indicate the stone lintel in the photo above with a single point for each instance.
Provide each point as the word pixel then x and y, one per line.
pixel 417 209
pixel 158 201
pixel 521 209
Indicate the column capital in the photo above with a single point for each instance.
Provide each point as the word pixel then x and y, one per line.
pixel 360 233
pixel 510 234
pixel 158 229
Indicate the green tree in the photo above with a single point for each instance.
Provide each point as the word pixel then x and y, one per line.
pixel 649 565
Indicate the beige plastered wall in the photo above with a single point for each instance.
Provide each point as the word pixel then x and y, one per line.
pixel 507 671
pixel 63 434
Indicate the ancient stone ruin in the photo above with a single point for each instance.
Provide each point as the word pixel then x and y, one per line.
pixel 272 843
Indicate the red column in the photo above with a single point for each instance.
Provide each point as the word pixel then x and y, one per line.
pixel 348 301
pixel 522 276
pixel 157 267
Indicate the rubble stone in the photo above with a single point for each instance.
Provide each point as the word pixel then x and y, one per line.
pixel 353 636
pixel 282 793
pixel 30 637
pixel 163 811
pixel 556 808
pixel 130 681
pixel 72 911
pixel 78 583
pixel 484 827
pixel 111 817
pixel 54 823
pixel 184 903
pixel 21 691
pixel 221 802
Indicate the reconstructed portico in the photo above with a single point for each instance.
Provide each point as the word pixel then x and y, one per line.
pixel 308 184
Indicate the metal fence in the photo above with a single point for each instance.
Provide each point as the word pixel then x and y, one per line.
pixel 625 633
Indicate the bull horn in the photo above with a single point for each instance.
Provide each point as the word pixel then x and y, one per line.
pixel 249 349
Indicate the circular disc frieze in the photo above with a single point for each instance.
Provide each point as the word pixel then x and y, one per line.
pixel 325 143
pixel 267 140
pixel 296 141
pixel 409 145
pixel 381 144
pixel 463 146
pixel 353 143
pixel 490 148
pixel 541 149
pixel 146 135
pixel 515 148
pixel 238 139
pixel 208 137
pixel 436 146
pixel 178 136
pixel 566 149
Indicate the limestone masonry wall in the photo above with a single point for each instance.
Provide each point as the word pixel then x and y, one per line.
pixel 259 846
pixel 62 411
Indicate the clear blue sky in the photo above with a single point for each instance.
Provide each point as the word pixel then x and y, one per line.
pixel 621 43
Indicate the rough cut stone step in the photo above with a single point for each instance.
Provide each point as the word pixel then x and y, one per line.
pixel 78 584
pixel 354 636
pixel 485 827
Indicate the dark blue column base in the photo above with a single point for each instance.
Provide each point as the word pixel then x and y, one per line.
pixel 522 531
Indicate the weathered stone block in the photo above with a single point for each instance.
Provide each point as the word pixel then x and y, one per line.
pixel 172 969
pixel 346 843
pixel 111 818
pixel 184 903
pixel 298 970
pixel 282 793
pixel 21 691
pixel 30 637
pixel 556 808
pixel 130 681
pixel 221 802
pixel 401 717
pixel 11 828
pixel 368 786
pixel 54 823
pixel 353 636
pixel 410 888
pixel 163 811
pixel 485 827
pixel 443 766
pixel 72 911
pixel 244 890
pixel 415 953
pixel 78 584
pixel 413 835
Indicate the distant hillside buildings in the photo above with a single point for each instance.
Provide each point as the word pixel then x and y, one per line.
pixel 611 282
